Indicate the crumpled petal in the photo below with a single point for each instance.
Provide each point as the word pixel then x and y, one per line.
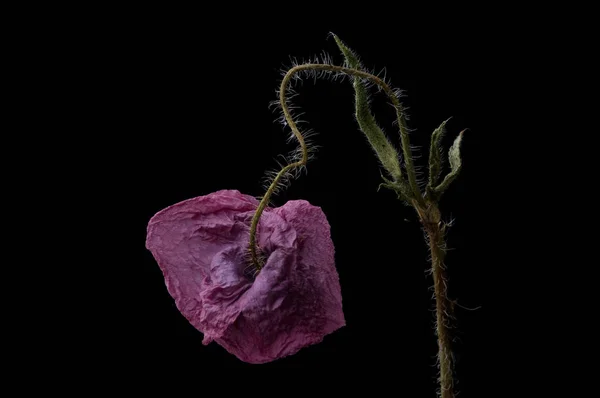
pixel 201 244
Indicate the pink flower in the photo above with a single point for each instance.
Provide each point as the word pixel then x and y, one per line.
pixel 201 247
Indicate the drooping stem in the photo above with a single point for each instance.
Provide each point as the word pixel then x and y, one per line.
pixel 443 310
pixel 256 260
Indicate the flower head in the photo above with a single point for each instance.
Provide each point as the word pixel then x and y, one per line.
pixel 201 244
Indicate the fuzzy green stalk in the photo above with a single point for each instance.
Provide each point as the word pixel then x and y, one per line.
pixel 428 211
pixel 385 151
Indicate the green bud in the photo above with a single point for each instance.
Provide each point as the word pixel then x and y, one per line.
pixel 455 165
pixel 435 155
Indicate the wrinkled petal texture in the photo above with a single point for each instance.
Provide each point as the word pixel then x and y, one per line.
pixel 201 247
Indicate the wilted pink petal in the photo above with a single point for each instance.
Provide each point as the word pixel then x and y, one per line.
pixel 200 245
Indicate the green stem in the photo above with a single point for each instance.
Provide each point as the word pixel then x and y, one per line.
pixel 290 121
pixel 261 207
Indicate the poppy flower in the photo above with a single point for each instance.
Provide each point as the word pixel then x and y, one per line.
pixel 201 246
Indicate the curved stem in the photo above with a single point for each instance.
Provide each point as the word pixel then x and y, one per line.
pixel 261 207
pixel 288 117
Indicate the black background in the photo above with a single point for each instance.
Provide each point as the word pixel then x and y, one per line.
pixel 182 110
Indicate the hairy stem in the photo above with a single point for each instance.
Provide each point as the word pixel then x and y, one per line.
pixel 443 307
pixel 261 207
pixel 408 159
pixel 290 121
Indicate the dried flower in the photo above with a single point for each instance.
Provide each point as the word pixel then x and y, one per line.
pixel 201 246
